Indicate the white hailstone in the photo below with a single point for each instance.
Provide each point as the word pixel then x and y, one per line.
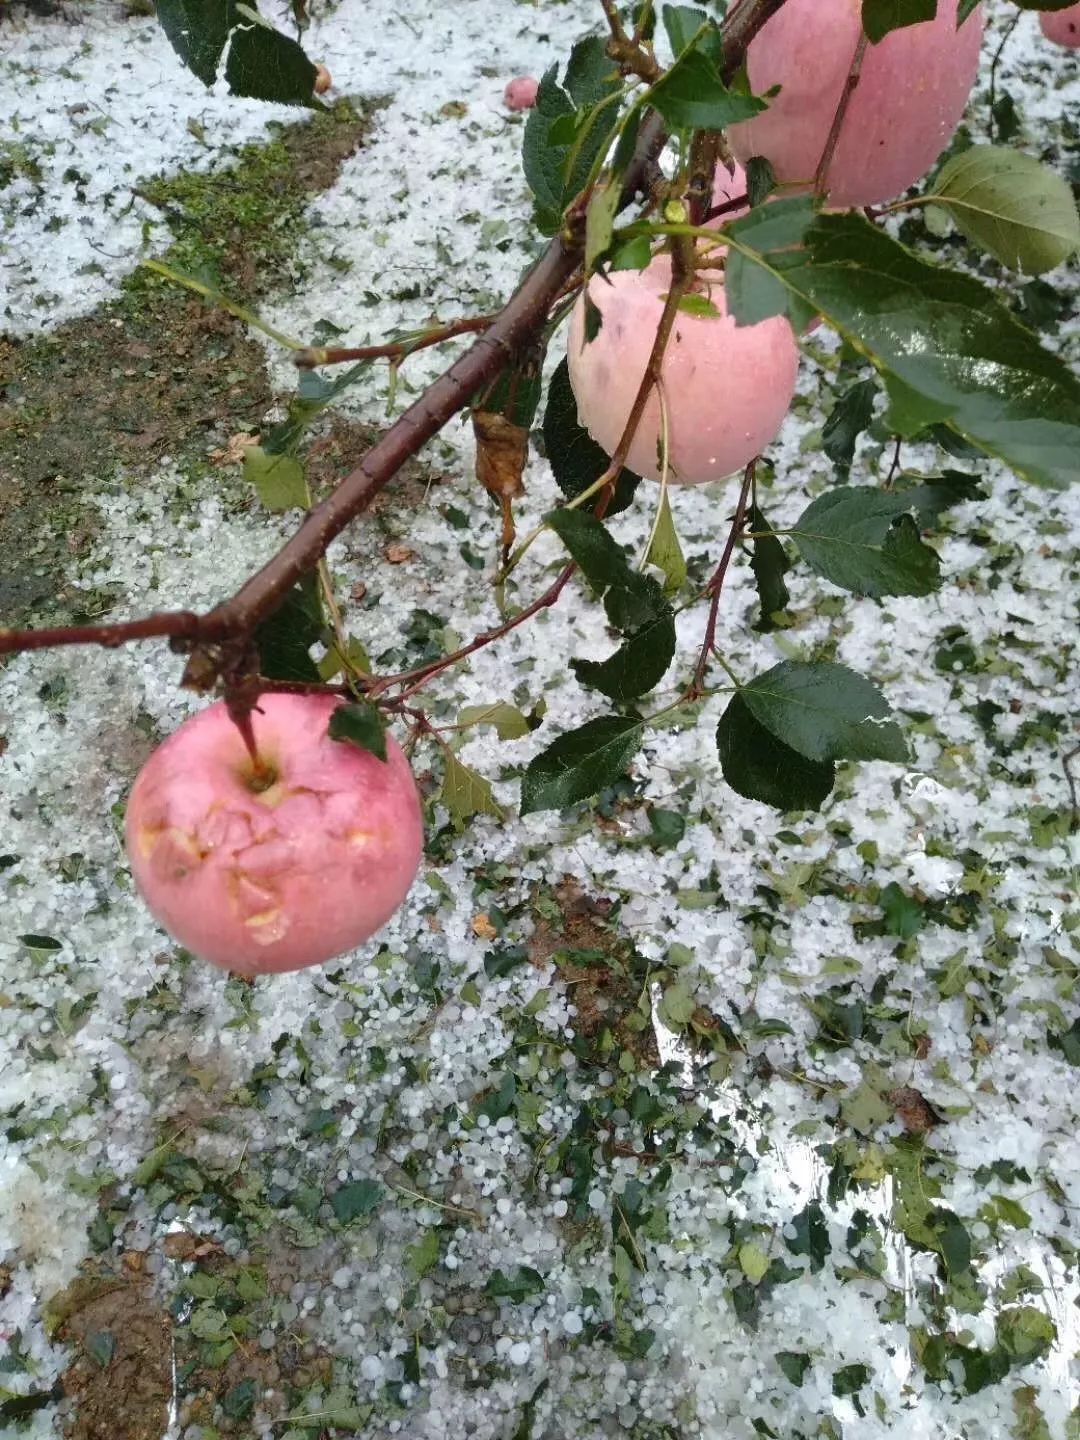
pixel 520 1353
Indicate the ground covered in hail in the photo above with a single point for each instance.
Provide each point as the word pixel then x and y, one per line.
pixel 665 1117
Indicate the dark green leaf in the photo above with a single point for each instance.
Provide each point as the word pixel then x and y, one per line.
pixel 581 763
pixel 360 724
pixel 825 712
pixel 575 458
pixel 691 95
pixel 1068 1042
pixel 761 767
pixel 541 159
pixel 40 942
pixel 865 540
pixel 811 1236
pixel 760 180
pixel 953 1239
pixel 197 30
pixel 239 1402
pixel 668 827
pixel 264 64
pixel 353 1201
pixel 503 960
pixel 639 663
pixel 516 1285
pixel 850 416
pixel 946 347
pixel 499 1101
pixel 634 255
pixel 770 564
pixel 634 603
pixel 794 1365
pixel 1012 205
pixel 879 17
pixel 850 1379
pixel 284 640
pixel 100 1345
pixel 591 74
pixel 904 915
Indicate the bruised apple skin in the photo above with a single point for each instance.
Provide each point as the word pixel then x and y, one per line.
pixel 281 871
pixel 727 388
pixel 911 95
pixel 1062 26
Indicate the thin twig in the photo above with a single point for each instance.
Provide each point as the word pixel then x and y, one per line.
pixel 850 84
pixel 716 584
pixel 314 355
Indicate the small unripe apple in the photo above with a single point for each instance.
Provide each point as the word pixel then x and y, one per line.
pixel 911 95
pixel 1062 26
pixel 276 868
pixel 727 387
pixel 520 93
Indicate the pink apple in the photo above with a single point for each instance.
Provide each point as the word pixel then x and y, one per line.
pixel 272 873
pixel 1062 26
pixel 910 98
pixel 520 93
pixel 727 388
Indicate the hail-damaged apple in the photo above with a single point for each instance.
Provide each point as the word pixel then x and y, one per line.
pixel 279 862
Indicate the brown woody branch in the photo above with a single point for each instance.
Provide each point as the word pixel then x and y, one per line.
pixel 219 641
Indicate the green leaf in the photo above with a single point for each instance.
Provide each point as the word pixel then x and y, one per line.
pixel 285 638
pixel 581 763
pixel 1024 1333
pixel 849 417
pixel 515 1285
pixel 770 564
pixel 850 1379
pixel 864 1109
pixel 278 479
pixel 562 121
pixel 100 1345
pixel 825 712
pixel 1012 205
pixel 634 255
pixel 811 1237
pixel 465 793
pixel 264 64
pixel 575 458
pixel 509 722
pixel 865 540
pixel 665 552
pixel 683 24
pixel 362 725
pixel 879 17
pixel 197 30
pixel 753 1262
pixel 668 827
pixel 600 220
pixel 355 1200
pixel 691 95
pixel 946 347
pixel 424 1255
pixel 499 1100
pixel 759 766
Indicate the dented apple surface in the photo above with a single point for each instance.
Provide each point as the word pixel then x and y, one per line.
pixel 911 95
pixel 277 870
pixel 726 387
